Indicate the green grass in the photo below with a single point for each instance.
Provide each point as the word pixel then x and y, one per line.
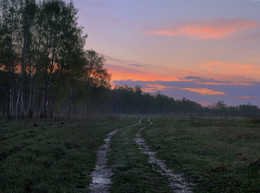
pixel 219 154
pixel 51 156
pixel 132 171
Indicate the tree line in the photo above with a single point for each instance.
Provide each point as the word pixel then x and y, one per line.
pixel 42 58
pixel 128 100
pixel 45 70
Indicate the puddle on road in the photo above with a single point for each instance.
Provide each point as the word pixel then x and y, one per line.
pixel 101 176
pixel 177 182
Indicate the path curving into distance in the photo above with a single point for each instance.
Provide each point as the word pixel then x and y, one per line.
pixel 101 176
pixel 177 182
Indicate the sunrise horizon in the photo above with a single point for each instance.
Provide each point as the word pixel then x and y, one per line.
pixel 130 96
pixel 203 51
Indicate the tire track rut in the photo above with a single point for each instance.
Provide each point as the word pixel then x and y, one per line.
pixel 101 176
pixel 177 182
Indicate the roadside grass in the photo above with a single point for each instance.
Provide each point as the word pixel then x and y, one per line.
pixel 52 156
pixel 219 154
pixel 133 173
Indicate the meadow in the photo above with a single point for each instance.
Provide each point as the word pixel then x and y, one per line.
pixel 216 154
pixel 51 156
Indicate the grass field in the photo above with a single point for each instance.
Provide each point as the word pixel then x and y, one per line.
pixel 51 156
pixel 217 154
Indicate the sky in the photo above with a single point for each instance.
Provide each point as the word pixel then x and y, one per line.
pixel 203 50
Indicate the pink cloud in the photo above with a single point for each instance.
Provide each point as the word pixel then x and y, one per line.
pixel 153 87
pixel 157 87
pixel 231 68
pixel 202 91
pixel 247 97
pixel 213 29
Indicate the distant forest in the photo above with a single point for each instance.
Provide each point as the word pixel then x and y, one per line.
pixel 45 71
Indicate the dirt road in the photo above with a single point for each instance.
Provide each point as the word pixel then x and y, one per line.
pixel 101 176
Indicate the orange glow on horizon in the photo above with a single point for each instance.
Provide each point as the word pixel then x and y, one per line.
pixel 124 74
pixel 119 73
pixel 216 72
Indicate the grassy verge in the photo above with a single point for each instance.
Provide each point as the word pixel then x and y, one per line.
pixel 51 156
pixel 132 171
pixel 218 154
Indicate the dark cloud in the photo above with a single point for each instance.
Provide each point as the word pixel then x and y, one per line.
pixel 136 65
pixel 201 79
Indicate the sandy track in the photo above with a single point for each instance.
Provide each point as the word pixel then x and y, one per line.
pixel 177 182
pixel 101 176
